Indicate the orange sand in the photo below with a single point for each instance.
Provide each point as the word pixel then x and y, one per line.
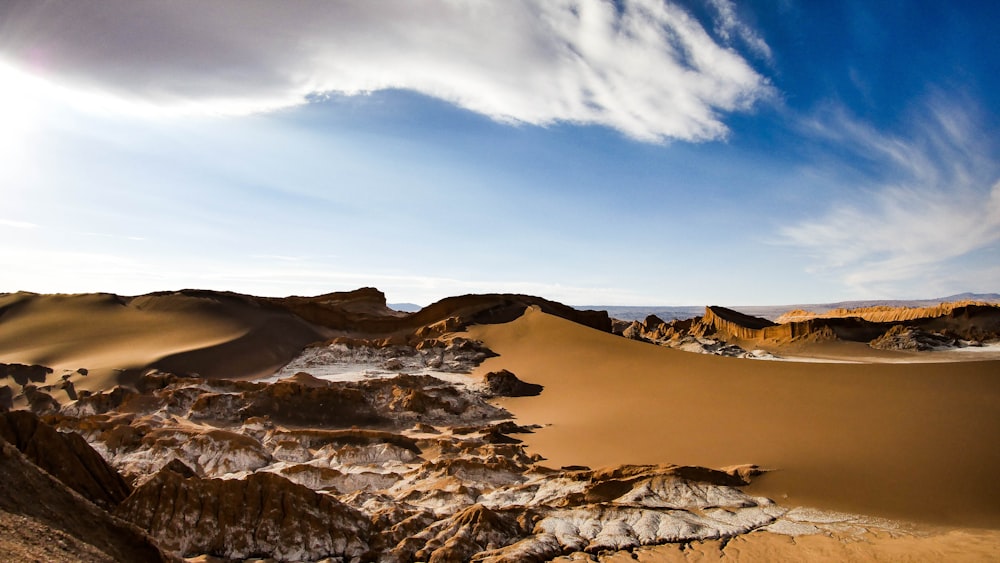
pixel 106 334
pixel 957 546
pixel 910 441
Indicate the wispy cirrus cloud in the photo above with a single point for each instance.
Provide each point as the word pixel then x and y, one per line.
pixel 930 211
pixel 730 27
pixel 644 67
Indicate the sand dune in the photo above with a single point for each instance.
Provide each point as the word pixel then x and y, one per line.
pixel 221 334
pixel 955 546
pixel 914 441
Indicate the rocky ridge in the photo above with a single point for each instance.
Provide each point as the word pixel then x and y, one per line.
pixel 42 519
pixel 722 331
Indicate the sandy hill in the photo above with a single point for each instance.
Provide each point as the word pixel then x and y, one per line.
pixel 217 334
pixel 364 313
pixel 895 440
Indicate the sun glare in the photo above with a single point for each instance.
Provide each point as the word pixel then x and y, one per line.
pixel 19 113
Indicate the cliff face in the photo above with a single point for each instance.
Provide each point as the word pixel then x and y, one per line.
pixel 884 313
pixel 965 322
pixel 953 322
pixel 735 324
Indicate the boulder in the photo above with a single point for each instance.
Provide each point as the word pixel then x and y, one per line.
pixel 505 384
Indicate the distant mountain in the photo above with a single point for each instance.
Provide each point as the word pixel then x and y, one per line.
pixel 771 312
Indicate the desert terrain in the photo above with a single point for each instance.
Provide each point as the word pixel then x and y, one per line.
pixel 217 426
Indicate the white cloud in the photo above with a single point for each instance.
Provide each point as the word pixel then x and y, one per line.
pixel 648 70
pixel 924 226
pixel 729 27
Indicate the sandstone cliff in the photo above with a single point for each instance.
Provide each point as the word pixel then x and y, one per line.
pixel 965 321
pixel 883 313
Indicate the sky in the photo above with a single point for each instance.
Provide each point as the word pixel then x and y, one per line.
pixel 638 152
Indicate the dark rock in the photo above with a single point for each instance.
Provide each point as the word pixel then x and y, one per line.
pixel 901 337
pixel 39 401
pixel 505 384
pixel 22 373
pixel 180 468
pixel 6 398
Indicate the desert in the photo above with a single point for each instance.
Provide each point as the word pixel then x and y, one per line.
pixel 499 281
pixel 216 426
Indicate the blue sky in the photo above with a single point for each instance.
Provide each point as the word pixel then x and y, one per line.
pixel 637 152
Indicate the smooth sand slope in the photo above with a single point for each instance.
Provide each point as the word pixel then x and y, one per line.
pixel 914 441
pixel 224 335
pixel 956 546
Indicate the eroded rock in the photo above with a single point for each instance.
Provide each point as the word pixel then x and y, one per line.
pixel 262 515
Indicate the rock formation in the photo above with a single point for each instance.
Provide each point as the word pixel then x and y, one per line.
pixel 23 374
pixel 41 519
pixel 66 456
pixel 505 384
pixel 927 328
pixel 901 337
pixel 263 515
pixel 883 313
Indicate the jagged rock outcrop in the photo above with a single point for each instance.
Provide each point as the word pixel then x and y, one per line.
pixel 339 357
pixel 901 337
pixel 505 384
pixel 883 313
pixel 66 456
pixel 468 532
pixel 263 515
pixel 44 520
pixel 948 325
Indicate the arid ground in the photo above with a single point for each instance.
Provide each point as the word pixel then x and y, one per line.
pixel 491 428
